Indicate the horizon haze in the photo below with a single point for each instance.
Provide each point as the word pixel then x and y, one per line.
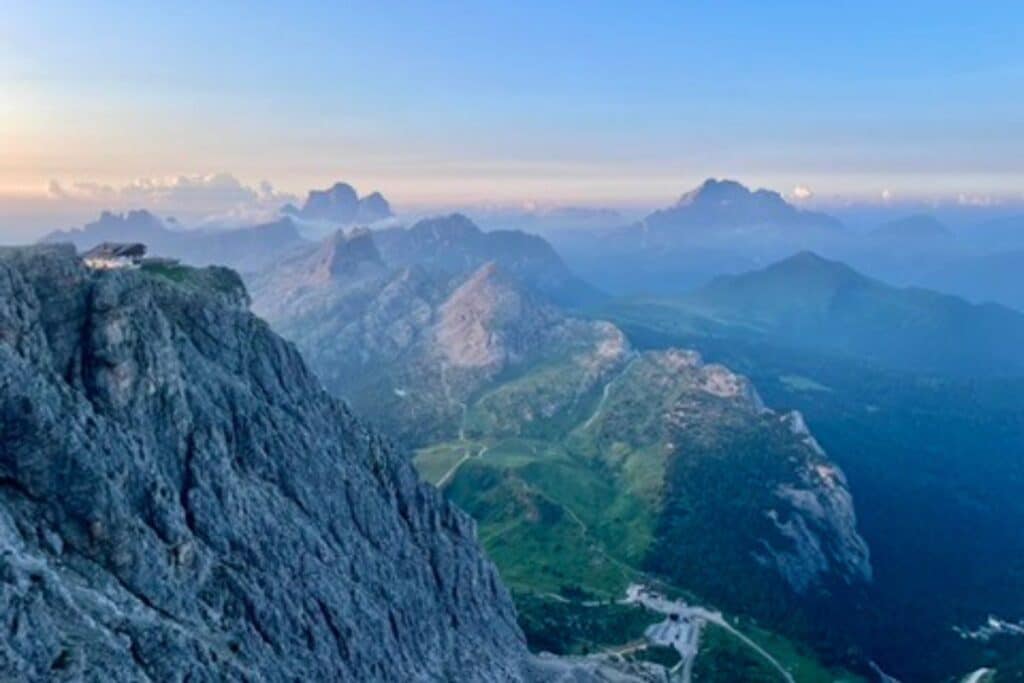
pixel 225 108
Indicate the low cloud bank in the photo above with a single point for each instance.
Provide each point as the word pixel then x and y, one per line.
pixel 219 198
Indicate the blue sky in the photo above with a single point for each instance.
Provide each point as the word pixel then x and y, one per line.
pixel 597 103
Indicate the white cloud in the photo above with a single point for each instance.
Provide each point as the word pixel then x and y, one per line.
pixel 801 193
pixel 976 200
pixel 886 195
pixel 218 197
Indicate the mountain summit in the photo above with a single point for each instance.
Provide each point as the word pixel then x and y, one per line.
pixel 341 205
pixel 727 204
pixel 719 227
pixel 342 255
pixel 722 192
pixel 456 245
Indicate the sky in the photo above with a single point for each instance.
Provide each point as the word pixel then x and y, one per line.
pixel 437 103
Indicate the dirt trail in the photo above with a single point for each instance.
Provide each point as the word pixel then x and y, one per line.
pixel 446 477
pixel 607 390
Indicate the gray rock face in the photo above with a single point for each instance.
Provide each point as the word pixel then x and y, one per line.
pixel 179 499
pixel 824 535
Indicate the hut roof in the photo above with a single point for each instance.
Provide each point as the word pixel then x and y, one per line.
pixel 117 250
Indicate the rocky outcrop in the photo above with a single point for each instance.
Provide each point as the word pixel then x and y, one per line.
pixel 489 321
pixel 312 278
pixel 824 537
pixel 775 488
pixel 346 256
pixel 180 500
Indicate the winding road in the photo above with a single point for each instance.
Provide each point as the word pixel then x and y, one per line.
pixel 455 468
pixel 717 619
pixel 604 393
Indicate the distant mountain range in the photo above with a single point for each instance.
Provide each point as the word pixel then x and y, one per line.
pixel 722 227
pixel 452 244
pixel 721 211
pixel 245 249
pixel 719 227
pixel 807 301
pixel 340 205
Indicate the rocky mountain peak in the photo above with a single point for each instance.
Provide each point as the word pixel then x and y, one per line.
pixel 726 206
pixel 730 194
pixel 715 192
pixel 341 204
pixel 338 201
pixel 373 207
pixel 454 226
pixel 344 255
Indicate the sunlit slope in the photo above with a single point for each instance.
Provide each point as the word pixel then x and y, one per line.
pixel 670 468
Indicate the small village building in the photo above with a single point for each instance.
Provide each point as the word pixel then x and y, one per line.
pixel 110 255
